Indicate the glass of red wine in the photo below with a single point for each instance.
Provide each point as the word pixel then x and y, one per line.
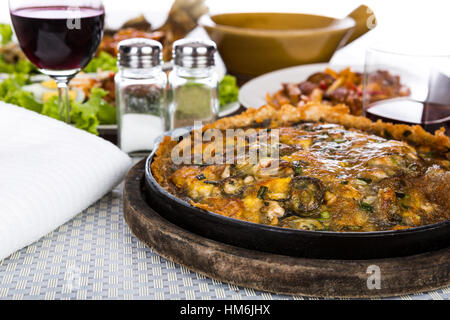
pixel 60 37
pixel 408 87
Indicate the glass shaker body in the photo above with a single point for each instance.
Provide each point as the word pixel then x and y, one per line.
pixel 140 89
pixel 193 96
pixel 141 100
pixel 193 84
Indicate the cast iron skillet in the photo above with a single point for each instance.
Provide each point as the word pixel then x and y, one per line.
pixel 296 243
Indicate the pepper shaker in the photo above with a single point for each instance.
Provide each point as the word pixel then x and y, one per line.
pixel 193 84
pixel 141 94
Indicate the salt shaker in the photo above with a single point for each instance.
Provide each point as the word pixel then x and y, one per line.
pixel 193 84
pixel 140 88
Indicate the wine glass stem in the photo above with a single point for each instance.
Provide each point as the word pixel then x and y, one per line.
pixel 64 99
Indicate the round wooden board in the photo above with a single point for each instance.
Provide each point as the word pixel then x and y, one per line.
pixel 279 274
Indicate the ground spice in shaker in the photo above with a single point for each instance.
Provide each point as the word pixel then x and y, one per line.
pixel 144 98
pixel 194 103
pixel 194 84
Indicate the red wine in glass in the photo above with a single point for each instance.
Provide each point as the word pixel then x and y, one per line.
pixel 59 38
pixel 432 114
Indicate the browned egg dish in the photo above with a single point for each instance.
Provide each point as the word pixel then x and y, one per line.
pixel 326 178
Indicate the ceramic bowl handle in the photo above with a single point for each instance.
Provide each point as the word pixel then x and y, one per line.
pixel 365 22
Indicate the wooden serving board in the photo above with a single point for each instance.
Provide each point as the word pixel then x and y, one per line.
pixel 280 274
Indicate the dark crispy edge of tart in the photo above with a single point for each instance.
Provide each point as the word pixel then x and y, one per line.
pixel 269 117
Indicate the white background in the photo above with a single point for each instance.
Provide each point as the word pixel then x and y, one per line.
pixel 419 23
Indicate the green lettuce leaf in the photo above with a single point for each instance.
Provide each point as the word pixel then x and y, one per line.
pixel 11 92
pixel 6 33
pixel 106 113
pixel 86 116
pixel 50 108
pixel 6 67
pixel 228 91
pixel 25 66
pixel 22 66
pixel 25 100
pixel 83 117
pixel 104 62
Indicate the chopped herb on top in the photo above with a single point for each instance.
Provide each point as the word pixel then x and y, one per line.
pixel 394 161
pixel 400 195
pixel 262 193
pixel 298 169
pixel 201 177
pixel 325 215
pixel 366 207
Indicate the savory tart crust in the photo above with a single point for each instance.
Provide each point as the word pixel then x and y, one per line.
pixel 316 112
pixel 405 185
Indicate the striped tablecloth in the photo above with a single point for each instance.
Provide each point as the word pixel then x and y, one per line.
pixel 95 256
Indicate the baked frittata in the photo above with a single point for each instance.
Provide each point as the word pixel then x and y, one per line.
pixel 333 172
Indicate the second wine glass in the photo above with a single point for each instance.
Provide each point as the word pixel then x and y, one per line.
pixel 415 92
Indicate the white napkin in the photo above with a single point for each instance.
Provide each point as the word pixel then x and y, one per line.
pixel 49 173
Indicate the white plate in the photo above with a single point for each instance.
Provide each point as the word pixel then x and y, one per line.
pixel 229 109
pixel 253 94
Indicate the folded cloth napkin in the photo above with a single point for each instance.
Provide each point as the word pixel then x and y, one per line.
pixel 49 173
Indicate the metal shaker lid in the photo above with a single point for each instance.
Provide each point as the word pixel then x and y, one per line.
pixel 191 53
pixel 139 53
